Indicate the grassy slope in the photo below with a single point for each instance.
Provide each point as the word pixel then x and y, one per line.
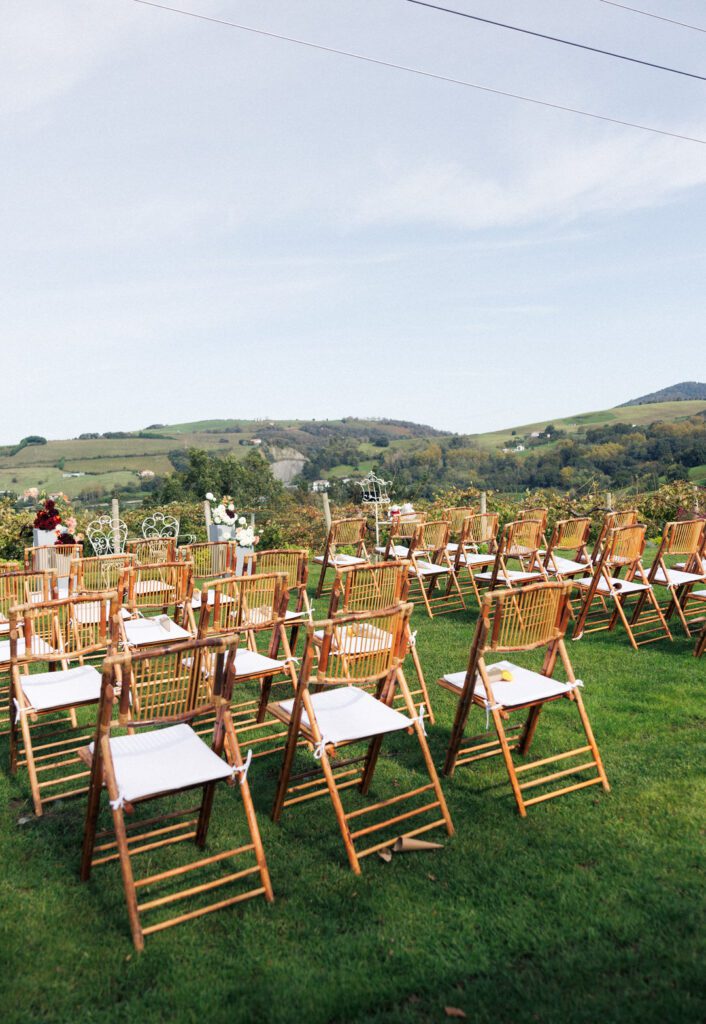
pixel 638 414
pixel 587 911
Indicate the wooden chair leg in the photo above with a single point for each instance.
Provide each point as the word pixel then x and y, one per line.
pixel 529 729
pixel 509 764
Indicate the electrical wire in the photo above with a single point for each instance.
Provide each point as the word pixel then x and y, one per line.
pixel 421 72
pixel 555 39
pixel 649 14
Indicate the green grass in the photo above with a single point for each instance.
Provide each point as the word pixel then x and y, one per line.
pixel 587 911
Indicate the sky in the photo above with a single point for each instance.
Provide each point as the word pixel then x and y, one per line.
pixel 200 222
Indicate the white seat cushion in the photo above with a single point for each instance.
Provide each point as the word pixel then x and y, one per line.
pixel 197 598
pixel 159 630
pixel 290 616
pixel 677 578
pixel 153 587
pixel 622 586
pixel 525 687
pixel 513 575
pixel 565 565
pixel 37 647
pixel 251 663
pixel 346 713
pixel 47 690
pixel 342 559
pixel 4 625
pixel 163 760
pixel 475 558
pixel 428 569
pixel 700 595
pixel 358 638
pixel 90 611
pixel 396 551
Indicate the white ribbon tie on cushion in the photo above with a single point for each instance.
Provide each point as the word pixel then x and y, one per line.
pixel 320 748
pixel 242 770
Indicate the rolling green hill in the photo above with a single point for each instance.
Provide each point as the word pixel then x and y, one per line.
pixel 330 448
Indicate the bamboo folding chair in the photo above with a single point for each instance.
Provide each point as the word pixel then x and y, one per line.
pixel 154 550
pixel 519 541
pixel 683 538
pixel 401 531
pixel 568 536
pixel 294 563
pixel 62 635
pixel 53 556
pixel 430 565
pixel 607 598
pixel 99 572
pixel 479 531
pixel 529 619
pixel 365 588
pixel 16 588
pixel 158 599
pixel 538 512
pixel 216 558
pixel 342 533
pixel 162 693
pixel 611 520
pixel 253 608
pixel 346 698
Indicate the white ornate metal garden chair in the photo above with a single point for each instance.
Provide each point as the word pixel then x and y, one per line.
pixel 101 535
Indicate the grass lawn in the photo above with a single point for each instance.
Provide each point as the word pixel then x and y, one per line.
pixel 587 911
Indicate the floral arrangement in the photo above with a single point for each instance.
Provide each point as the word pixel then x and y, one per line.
pixel 224 514
pixel 48 517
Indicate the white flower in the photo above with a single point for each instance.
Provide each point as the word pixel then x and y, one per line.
pixel 243 521
pixel 231 507
pixel 210 497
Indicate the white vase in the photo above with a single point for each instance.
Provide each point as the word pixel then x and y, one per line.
pixel 240 556
pixel 41 538
pixel 217 532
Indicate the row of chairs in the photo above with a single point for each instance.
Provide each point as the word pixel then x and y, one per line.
pixel 351 687
pixel 611 582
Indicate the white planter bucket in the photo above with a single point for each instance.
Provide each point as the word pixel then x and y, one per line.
pixel 41 538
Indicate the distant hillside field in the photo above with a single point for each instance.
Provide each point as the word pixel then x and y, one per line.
pixel 332 449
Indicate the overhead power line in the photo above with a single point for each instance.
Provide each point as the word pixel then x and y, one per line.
pixel 649 14
pixel 555 39
pixel 421 72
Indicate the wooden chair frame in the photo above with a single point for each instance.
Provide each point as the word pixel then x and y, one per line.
pixel 55 633
pixel 401 531
pixel 611 520
pixel 98 573
pixel 349 657
pixel 621 551
pixel 157 688
pixel 479 530
pixel 372 587
pixel 52 556
pixel 342 533
pixel 429 563
pixel 532 618
pixel 569 535
pixel 253 607
pixel 520 540
pixel 210 559
pixel 153 550
pixel 18 587
pixel 687 538
pixel 164 587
